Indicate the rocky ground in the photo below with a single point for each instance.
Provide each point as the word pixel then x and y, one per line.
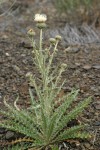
pixel 83 61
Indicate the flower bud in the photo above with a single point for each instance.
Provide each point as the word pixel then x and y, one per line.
pixel 41 25
pixel 52 40
pixel 58 37
pixel 31 32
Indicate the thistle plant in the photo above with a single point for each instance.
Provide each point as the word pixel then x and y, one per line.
pixel 44 123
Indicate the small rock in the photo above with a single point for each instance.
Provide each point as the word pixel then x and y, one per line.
pixel 24 61
pixel 1 61
pixel 86 50
pixel 72 49
pixel 93 88
pixel 97 123
pixel 87 145
pixel 96 66
pixel 77 64
pixel 17 69
pixel 10 58
pixel 84 75
pixel 83 148
pixel 76 72
pixel 2 130
pixel 87 67
pixel 72 66
pixel 91 76
pixel 97 105
pixel 7 54
pixel 23 55
pixel 9 135
pixel 97 94
pixel 0 95
pixel 5 37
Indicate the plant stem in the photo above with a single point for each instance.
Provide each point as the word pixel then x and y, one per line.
pixel 40 39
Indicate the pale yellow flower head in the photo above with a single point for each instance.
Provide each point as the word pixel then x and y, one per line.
pixel 40 18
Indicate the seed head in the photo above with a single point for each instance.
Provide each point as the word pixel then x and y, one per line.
pixel 40 18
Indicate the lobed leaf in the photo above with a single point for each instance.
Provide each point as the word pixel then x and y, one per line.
pixel 71 115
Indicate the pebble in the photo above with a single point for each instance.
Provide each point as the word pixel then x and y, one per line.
pixel 86 50
pixel 72 66
pixel 97 94
pixel 97 105
pixel 76 72
pixel 17 69
pixel 5 36
pixel 2 130
pixel 1 61
pixel 97 123
pixel 23 55
pixel 24 61
pixel 7 54
pixel 87 67
pixel 83 148
pixel 77 64
pixel 94 88
pixel 72 49
pixel 0 95
pixel 96 66
pixel 91 76
pixel 87 145
pixel 84 75
pixel 9 135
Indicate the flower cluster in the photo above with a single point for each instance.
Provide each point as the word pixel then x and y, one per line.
pixel 40 18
